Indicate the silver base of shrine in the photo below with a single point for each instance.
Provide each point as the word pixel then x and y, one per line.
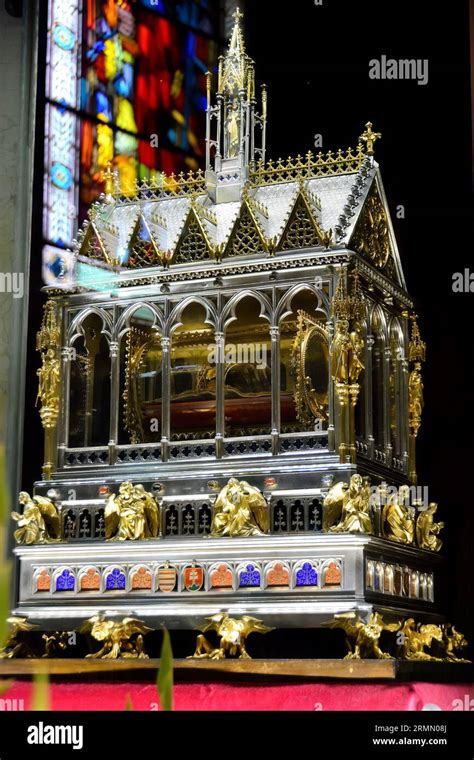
pixel 287 607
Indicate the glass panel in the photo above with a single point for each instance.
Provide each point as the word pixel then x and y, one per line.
pixel 141 381
pixel 304 367
pixel 89 400
pixel 193 378
pixel 396 353
pixel 247 373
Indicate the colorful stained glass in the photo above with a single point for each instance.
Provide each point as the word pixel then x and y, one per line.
pixel 250 576
pixel 65 581
pixel 115 580
pixel 126 85
pixel 306 575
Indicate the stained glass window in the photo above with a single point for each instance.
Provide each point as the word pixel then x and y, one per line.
pixel 125 84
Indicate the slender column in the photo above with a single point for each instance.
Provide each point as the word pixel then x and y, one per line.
pixel 220 400
pixel 369 418
pixel 114 399
pixel 208 120
pixel 166 400
pixel 404 369
pixel 219 146
pixel 386 405
pixel 67 354
pixel 331 396
pixel 242 132
pixel 275 370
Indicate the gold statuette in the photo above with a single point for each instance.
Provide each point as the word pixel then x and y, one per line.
pixel 39 522
pixel 132 514
pixel 48 341
pixel 240 510
pixel 427 531
pixel 362 638
pixel 232 633
pixel 397 518
pixel 120 639
pixel 347 507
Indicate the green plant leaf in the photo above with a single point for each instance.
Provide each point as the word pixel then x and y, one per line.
pixel 5 686
pixel 41 694
pixel 164 681
pixel 4 562
pixel 4 599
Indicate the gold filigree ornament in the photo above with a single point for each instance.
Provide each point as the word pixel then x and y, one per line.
pixel 311 404
pixel 233 634
pixel 371 237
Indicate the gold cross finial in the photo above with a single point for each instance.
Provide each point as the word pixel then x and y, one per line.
pixel 369 137
pixel 237 15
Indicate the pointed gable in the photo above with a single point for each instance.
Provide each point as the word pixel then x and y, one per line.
pixel 193 244
pixel 143 249
pixel 246 237
pixel 302 229
pixel 373 236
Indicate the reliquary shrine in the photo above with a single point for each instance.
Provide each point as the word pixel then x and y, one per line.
pixel 230 389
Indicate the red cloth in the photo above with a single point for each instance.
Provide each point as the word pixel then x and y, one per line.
pixel 245 696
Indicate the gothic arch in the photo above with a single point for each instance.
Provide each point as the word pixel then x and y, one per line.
pixel 228 313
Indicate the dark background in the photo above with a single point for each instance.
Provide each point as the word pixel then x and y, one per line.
pixel 315 60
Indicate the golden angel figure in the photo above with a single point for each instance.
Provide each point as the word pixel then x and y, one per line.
pixel 350 505
pixel 39 522
pixel 397 520
pixel 132 514
pixel 240 510
pixel 427 531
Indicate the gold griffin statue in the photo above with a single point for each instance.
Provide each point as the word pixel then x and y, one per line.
pixel 240 510
pixel 232 633
pixel 117 637
pixel 362 638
